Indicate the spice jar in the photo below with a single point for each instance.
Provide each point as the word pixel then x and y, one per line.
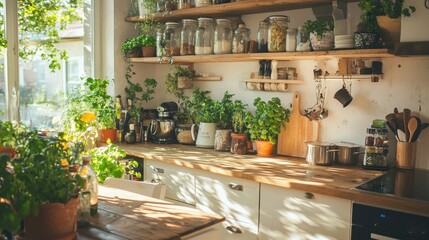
pixel 302 40
pixel 380 137
pixel 160 44
pixel 172 39
pixel 262 37
pixel 203 3
pixel 223 37
pixel 204 36
pixel 241 40
pixel 183 4
pixel 277 33
pixel 187 37
pixel 291 40
pixel 369 138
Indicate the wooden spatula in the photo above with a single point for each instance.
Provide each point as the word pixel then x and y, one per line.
pixel 413 125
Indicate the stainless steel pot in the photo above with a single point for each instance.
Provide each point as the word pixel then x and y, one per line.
pixel 348 153
pixel 321 153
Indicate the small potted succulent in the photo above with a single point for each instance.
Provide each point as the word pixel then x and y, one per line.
pixel 265 124
pixel 321 34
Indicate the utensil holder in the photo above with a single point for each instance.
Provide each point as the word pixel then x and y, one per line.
pixel 405 155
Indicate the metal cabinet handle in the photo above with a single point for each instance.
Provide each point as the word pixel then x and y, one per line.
pixel 308 195
pixel 159 170
pixel 154 180
pixel 234 229
pixel 236 187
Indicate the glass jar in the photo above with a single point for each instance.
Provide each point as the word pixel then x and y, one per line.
pixel 241 40
pixel 223 37
pixel 187 37
pixel 369 138
pixel 302 40
pixel 291 40
pixel 172 39
pixel 91 186
pixel 262 37
pixel 203 3
pixel 160 43
pixel 204 36
pixel 277 33
pixel 185 4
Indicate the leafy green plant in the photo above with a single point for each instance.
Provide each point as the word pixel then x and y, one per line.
pixel 40 175
pixel 395 8
pixel 194 104
pixel 266 123
pixel 238 117
pixel 147 41
pixel 138 95
pixel 318 26
pixel 225 110
pixel 105 161
pixel 131 47
pixel 172 80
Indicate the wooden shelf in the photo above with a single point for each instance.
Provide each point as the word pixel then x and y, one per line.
pixel 235 9
pixel 281 56
pixel 354 77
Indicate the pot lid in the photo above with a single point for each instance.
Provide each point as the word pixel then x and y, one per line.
pixel 319 144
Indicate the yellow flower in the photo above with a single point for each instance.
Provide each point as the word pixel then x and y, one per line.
pixel 64 162
pixel 66 146
pixel 88 117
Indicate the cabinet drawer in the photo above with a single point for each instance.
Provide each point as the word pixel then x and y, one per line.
pixel 293 214
pixel 227 196
pixel 180 184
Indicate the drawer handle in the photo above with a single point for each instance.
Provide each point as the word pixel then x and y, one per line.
pixel 308 195
pixel 154 180
pixel 234 229
pixel 159 170
pixel 236 187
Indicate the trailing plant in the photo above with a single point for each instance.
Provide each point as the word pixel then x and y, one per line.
pixel 238 117
pixel 265 124
pixel 40 175
pixel 318 26
pixel 172 80
pixel 39 25
pixel 138 94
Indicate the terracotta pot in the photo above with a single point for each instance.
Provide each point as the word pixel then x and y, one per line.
pixel 8 150
pixel 184 83
pixel 239 143
pixel 390 29
pixel 149 51
pixel 54 221
pixel 222 140
pixel 264 148
pixel 108 134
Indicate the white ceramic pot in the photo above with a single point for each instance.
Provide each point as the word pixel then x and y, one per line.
pixel 206 135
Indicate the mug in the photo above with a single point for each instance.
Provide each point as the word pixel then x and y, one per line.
pixel 343 96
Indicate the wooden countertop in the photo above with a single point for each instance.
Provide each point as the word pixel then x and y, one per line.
pixel 287 172
pixel 126 215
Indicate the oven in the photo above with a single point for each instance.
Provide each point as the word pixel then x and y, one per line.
pixel 370 222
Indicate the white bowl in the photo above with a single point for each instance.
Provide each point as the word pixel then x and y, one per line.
pixel 343 37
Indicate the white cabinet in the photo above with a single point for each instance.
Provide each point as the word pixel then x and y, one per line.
pixel 234 198
pixel 292 214
pixel 179 181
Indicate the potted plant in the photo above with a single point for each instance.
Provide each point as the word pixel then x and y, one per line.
pixel 224 109
pixel 41 191
pixel 264 125
pixel 131 47
pixel 148 45
pixel 7 138
pixel 181 79
pixel 321 34
pixel 385 16
pixel 238 136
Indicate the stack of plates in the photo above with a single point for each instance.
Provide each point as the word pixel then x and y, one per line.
pixel 344 41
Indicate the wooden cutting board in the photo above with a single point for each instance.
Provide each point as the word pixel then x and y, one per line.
pixel 299 130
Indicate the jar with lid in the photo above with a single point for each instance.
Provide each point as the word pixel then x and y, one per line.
pixel 172 38
pixel 302 40
pixel 277 33
pixel 183 4
pixel 160 43
pixel 204 36
pixel 291 40
pixel 380 137
pixel 241 40
pixel 223 37
pixel 203 3
pixel 369 138
pixel 262 37
pixel 187 37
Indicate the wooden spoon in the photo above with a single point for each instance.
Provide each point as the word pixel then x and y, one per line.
pixel 413 125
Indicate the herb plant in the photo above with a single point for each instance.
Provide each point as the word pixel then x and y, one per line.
pixel 138 95
pixel 238 117
pixel 104 160
pixel 267 121
pixel 318 27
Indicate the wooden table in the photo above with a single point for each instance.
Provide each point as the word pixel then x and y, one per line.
pixel 125 215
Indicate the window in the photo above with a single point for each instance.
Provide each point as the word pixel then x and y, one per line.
pixel 42 82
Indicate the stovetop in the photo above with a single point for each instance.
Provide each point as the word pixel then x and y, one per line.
pixel 412 184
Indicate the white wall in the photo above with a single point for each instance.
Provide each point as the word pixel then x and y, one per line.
pixel 405 85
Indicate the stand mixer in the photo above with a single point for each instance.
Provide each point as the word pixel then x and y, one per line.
pixel 161 129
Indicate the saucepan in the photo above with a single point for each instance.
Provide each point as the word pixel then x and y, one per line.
pixel 321 153
pixel 348 153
